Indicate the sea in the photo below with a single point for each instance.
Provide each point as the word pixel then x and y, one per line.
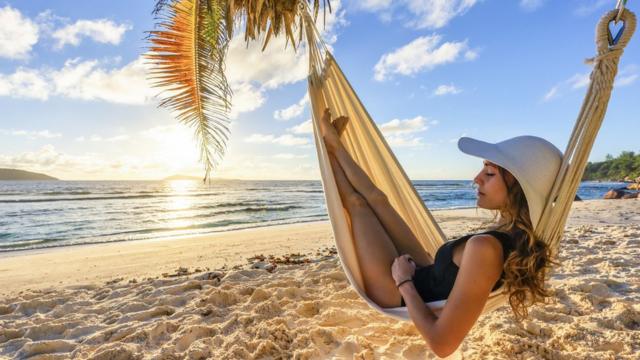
pixel 40 214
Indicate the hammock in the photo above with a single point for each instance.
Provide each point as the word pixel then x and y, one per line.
pixel 329 88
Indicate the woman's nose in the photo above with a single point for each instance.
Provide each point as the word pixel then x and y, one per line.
pixel 477 179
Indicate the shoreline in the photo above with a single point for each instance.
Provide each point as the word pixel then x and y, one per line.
pixel 21 252
pixel 8 252
pixel 91 263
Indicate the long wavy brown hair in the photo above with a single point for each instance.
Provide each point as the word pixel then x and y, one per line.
pixel 527 267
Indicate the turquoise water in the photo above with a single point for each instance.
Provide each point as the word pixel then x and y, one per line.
pixel 37 214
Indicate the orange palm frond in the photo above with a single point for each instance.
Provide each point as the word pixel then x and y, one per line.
pixel 189 51
pixel 188 56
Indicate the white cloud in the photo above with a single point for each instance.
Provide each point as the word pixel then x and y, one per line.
pixel 531 5
pixel 470 55
pixel 405 126
pixel 292 111
pixel 286 139
pixel 627 76
pixel 98 138
pixel 97 166
pixel 578 81
pixel 102 31
pixel 446 90
pixel 551 94
pixel 288 156
pixel 272 68
pixel 423 53
pixel 246 97
pixel 302 128
pixel 42 134
pixel 588 7
pixel 18 34
pixel 434 14
pixel 430 14
pixel 401 132
pixel 626 80
pixel 373 5
pixel 47 158
pixel 86 80
pixel 575 82
pixel 25 83
pixel 83 80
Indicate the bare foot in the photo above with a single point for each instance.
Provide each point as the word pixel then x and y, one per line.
pixel 331 130
pixel 340 123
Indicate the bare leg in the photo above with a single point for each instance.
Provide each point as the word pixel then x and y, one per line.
pixel 374 248
pixel 395 226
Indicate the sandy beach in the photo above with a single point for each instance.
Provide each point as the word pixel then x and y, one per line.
pixel 202 297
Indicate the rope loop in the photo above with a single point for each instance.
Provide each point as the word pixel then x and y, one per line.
pixel 608 51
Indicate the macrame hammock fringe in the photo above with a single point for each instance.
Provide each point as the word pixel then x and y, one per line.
pixel 329 88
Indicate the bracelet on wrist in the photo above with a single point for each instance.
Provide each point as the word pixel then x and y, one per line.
pixel 402 282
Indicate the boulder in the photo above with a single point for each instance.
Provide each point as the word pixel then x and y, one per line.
pixel 635 186
pixel 633 195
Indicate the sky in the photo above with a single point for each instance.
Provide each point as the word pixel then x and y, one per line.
pixel 76 102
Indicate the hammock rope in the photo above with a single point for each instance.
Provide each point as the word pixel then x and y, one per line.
pixel 329 88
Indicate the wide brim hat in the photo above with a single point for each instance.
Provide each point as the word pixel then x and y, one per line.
pixel 533 161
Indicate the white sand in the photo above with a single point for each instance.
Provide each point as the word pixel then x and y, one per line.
pixel 115 304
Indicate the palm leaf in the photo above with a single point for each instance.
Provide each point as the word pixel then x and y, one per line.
pixel 188 56
pixel 188 53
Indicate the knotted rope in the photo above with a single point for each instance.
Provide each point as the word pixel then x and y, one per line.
pixel 594 107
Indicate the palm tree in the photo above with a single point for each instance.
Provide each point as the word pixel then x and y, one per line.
pixel 188 56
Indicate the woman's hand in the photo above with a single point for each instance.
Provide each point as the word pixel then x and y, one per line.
pixel 403 268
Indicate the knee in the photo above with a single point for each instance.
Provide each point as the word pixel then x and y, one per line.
pixel 356 201
pixel 378 197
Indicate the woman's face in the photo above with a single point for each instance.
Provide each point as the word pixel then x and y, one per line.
pixel 492 191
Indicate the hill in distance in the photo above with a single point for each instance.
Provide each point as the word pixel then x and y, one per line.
pixel 16 175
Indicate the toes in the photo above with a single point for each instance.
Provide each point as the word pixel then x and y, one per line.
pixel 340 124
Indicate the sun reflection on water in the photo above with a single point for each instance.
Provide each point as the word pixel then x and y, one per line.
pixel 179 202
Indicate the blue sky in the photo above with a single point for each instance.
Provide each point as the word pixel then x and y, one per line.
pixel 75 102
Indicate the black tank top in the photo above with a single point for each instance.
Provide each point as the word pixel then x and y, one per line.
pixel 434 282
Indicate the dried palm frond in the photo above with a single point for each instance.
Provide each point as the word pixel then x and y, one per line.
pixel 189 52
pixel 272 17
pixel 188 56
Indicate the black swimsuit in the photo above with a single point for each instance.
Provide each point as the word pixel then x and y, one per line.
pixel 434 282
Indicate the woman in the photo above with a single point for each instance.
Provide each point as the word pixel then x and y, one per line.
pixel 465 270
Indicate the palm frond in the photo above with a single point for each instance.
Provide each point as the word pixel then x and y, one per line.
pixel 188 53
pixel 270 18
pixel 188 56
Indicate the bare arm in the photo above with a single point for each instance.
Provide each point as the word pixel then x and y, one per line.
pixel 480 268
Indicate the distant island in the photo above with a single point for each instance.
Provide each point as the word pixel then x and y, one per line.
pixel 625 167
pixel 17 175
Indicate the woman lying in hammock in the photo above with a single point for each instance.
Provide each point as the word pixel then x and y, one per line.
pixel 465 270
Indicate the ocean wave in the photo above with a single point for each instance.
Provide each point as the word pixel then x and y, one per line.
pixel 66 193
pixel 88 198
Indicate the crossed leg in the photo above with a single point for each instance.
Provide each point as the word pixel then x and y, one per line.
pixel 374 221
pixel 373 246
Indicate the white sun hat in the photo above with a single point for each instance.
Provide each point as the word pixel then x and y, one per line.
pixel 533 161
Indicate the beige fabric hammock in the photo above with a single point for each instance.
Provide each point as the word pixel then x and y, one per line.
pixel 329 88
